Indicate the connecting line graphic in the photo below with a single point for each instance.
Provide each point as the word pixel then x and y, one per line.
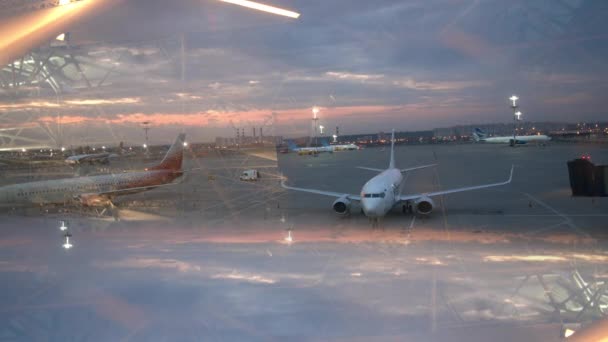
pixel 567 220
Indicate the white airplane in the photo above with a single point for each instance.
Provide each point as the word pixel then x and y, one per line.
pixel 343 147
pixel 383 192
pixel 481 136
pixel 95 191
pixel 320 149
pixel 94 158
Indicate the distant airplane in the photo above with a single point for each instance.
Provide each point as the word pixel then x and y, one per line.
pixel 481 136
pixel 320 149
pixel 340 147
pixel 95 191
pixel 382 193
pixel 305 150
pixel 96 158
pixel 93 158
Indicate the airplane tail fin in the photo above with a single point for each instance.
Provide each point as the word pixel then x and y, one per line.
pixel 391 164
pixel 291 145
pixel 175 155
pixel 478 134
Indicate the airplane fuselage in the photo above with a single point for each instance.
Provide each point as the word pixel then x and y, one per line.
pixel 61 191
pixel 380 194
pixel 519 139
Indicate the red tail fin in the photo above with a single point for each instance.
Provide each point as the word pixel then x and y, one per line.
pixel 175 155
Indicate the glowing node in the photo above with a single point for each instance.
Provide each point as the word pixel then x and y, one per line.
pixel 289 238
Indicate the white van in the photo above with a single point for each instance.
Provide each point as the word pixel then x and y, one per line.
pixel 250 175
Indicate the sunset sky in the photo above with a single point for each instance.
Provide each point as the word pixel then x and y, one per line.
pixel 369 66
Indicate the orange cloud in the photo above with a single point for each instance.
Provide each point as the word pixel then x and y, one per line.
pixel 421 110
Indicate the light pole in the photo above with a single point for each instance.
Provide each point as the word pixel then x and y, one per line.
pixel 315 111
pixel 146 126
pixel 516 117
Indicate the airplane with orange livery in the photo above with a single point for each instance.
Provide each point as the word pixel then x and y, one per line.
pixel 95 191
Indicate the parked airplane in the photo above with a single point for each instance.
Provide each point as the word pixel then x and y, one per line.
pixel 340 147
pixel 93 158
pixel 481 136
pixel 95 191
pixel 98 158
pixel 305 150
pixel 319 149
pixel 383 192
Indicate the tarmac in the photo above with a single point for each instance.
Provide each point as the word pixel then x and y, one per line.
pixel 216 258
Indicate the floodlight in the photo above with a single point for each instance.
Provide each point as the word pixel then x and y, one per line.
pixel 264 8
pixel 518 115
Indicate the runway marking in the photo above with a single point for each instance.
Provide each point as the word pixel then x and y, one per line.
pixel 412 223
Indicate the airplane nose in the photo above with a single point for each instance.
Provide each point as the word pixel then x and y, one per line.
pixel 369 209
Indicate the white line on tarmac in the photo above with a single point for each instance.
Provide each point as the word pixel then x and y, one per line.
pixel 412 223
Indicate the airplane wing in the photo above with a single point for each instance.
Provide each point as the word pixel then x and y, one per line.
pixel 417 167
pixel 369 168
pixel 451 191
pixel 402 170
pixel 321 192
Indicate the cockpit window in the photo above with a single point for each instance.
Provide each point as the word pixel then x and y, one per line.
pixel 380 195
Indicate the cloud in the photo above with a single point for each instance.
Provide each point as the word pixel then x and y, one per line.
pixel 354 77
pixel 244 277
pixel 152 263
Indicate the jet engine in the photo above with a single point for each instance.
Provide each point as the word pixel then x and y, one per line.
pixel 342 206
pixel 424 205
pixel 93 200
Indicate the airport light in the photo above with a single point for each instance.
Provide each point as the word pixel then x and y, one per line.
pixel 315 111
pixel 23 150
pixel 145 145
pixel 335 137
pixel 67 244
pixel 264 8
pixel 185 144
pixel 63 226
pixel 289 238
pixel 518 116
pixel 103 147
pixel 321 128
pixel 62 149
pixel 514 99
